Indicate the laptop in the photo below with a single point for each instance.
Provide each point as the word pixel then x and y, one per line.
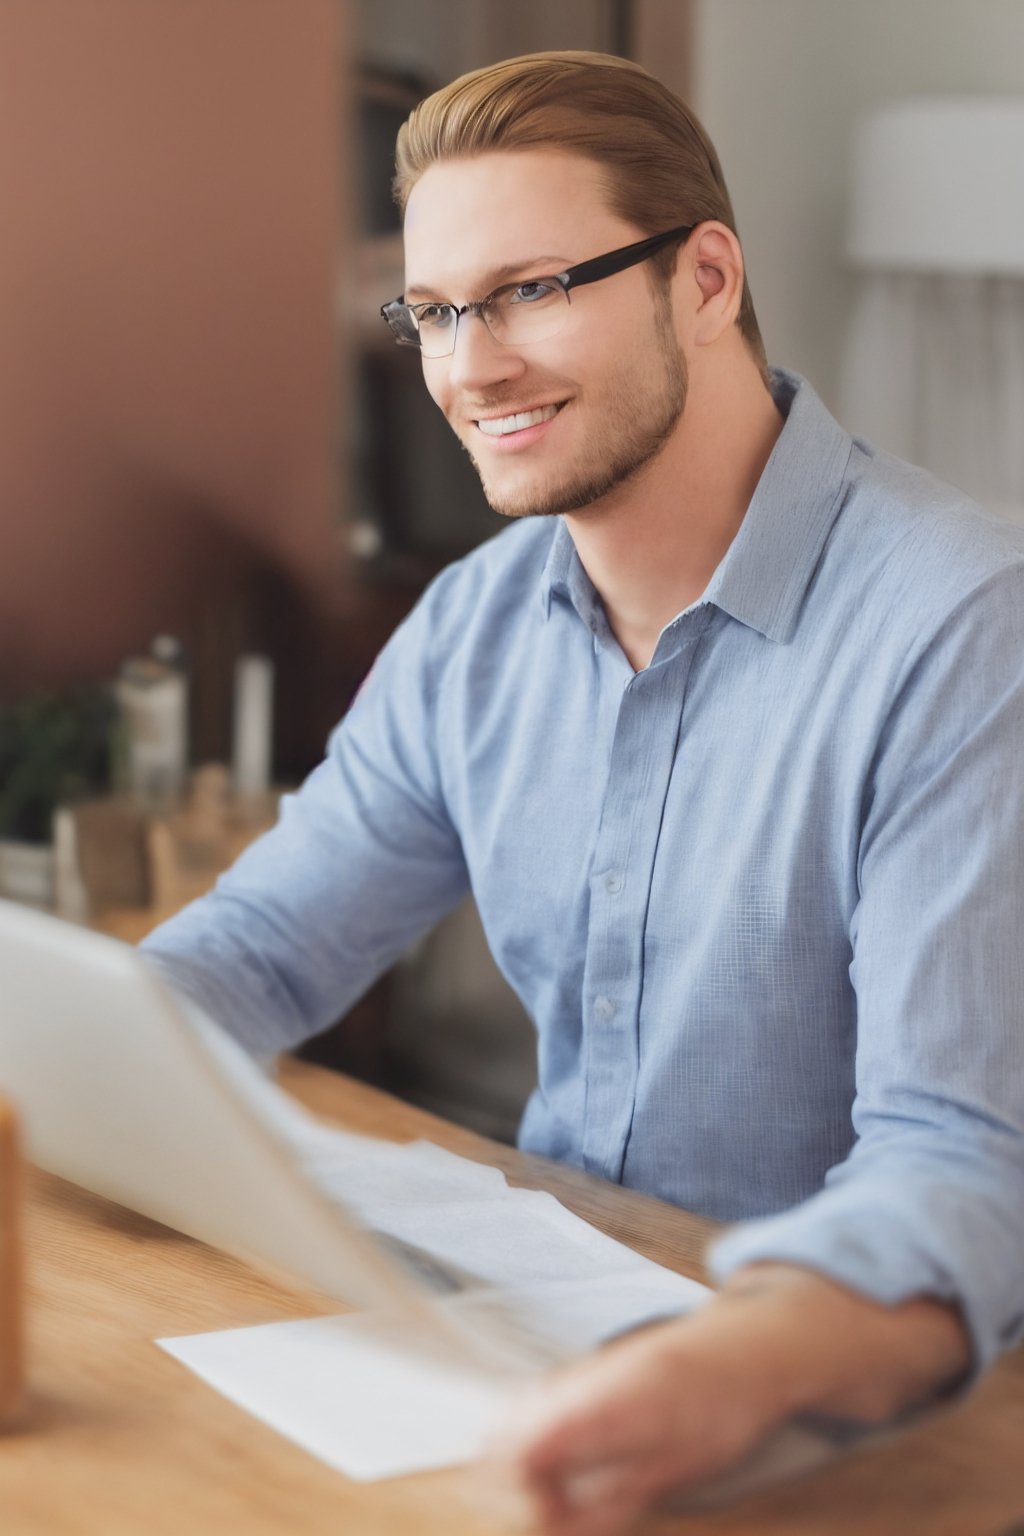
pixel 126 1089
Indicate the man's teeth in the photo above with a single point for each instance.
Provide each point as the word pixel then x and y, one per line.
pixel 499 426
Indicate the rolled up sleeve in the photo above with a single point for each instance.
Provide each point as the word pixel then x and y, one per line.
pixel 930 1201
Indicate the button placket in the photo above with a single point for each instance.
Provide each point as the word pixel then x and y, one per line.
pixel 642 760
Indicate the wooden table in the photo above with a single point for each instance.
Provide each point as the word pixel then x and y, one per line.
pixel 118 1439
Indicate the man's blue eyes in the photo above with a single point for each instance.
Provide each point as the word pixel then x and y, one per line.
pixel 529 293
pixel 440 316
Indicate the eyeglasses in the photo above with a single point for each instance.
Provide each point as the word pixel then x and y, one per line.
pixel 517 313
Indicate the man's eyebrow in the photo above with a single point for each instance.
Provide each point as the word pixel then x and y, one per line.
pixel 543 266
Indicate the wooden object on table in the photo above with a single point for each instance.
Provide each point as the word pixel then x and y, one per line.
pixel 189 847
pixel 132 858
pixel 11 1289
pixel 110 844
pixel 142 1444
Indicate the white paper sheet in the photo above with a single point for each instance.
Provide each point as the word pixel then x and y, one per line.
pixel 466 1215
pixel 351 1390
pixel 366 1396
pixel 373 1397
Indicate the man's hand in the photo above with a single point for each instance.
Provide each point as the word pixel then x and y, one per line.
pixel 595 1445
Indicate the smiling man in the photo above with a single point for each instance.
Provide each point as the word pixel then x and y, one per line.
pixel 722 734
pixel 588 435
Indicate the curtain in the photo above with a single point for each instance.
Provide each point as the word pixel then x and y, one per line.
pixel 934 371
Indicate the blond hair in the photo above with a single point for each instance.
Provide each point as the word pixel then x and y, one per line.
pixel 660 166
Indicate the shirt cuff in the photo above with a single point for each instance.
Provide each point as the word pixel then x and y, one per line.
pixel 869 1250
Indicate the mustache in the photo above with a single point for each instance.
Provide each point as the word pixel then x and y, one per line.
pixel 517 398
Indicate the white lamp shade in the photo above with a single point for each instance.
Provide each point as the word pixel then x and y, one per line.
pixel 938 185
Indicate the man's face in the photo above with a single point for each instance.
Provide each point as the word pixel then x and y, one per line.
pixel 611 384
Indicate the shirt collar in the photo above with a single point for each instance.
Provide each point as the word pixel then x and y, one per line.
pixel 564 574
pixel 764 574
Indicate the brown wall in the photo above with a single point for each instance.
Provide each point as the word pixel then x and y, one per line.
pixel 168 224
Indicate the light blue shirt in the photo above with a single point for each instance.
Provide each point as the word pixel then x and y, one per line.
pixel 763 900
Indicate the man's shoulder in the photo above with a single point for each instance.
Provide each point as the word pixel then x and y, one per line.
pixel 522 546
pixel 504 570
pixel 493 593
pixel 476 612
pixel 923 544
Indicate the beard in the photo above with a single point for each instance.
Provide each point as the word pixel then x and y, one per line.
pixel 647 413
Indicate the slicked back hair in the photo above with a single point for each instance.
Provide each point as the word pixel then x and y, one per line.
pixel 659 165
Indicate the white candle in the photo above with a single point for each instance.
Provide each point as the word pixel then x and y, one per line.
pixel 254 701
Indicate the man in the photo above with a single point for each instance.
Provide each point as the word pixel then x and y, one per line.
pixel 721 733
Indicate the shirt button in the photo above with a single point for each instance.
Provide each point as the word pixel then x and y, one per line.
pixel 604 1008
pixel 613 883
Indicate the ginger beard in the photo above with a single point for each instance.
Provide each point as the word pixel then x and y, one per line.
pixel 644 406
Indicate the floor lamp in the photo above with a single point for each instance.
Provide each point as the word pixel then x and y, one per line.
pixel 933 368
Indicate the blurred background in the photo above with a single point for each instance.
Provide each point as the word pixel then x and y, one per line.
pixel 207 436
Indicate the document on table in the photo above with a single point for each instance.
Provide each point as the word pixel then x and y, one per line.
pixel 373 1396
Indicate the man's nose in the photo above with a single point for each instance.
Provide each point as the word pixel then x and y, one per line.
pixel 478 359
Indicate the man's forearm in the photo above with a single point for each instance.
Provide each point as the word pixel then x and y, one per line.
pixel 840 1353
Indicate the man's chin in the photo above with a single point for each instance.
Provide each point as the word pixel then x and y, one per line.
pixel 562 500
pixel 517 510
pixel 526 501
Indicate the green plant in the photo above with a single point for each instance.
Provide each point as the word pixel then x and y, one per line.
pixel 54 747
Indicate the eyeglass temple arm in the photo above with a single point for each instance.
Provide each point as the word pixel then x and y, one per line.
pixel 586 271
pixel 607 266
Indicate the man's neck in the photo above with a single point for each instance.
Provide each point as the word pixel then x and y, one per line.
pixel 651 548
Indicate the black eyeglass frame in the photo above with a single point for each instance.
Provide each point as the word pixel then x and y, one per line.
pixel 397 310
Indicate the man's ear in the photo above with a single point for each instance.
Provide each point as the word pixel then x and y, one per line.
pixel 716 264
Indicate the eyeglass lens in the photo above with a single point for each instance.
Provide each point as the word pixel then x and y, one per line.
pixel 515 315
